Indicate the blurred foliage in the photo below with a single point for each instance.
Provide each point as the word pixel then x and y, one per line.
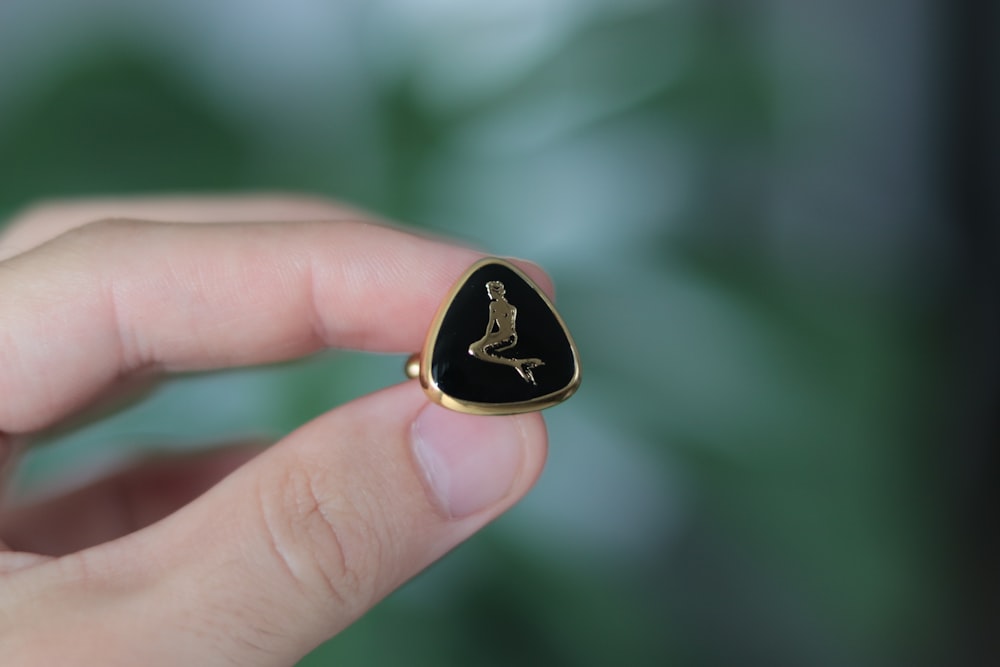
pixel 117 122
pixel 773 416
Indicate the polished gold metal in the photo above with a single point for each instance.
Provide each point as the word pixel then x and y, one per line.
pixel 500 335
pixel 413 366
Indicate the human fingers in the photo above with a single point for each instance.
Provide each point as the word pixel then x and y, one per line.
pixel 112 298
pixel 289 549
pixel 119 503
pixel 44 221
pixel 47 220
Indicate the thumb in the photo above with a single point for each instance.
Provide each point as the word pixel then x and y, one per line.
pixel 304 539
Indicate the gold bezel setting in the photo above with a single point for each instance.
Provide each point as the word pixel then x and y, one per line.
pixel 481 384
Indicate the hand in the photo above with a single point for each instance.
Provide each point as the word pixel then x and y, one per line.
pixel 293 544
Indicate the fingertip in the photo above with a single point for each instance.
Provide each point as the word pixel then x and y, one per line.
pixel 472 464
pixel 538 275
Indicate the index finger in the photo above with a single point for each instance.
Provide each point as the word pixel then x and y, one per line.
pixel 112 297
pixel 48 219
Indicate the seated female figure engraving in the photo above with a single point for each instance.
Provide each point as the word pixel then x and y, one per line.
pixel 501 334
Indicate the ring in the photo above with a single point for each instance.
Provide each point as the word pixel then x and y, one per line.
pixel 497 346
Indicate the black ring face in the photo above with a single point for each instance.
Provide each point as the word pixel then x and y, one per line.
pixel 499 343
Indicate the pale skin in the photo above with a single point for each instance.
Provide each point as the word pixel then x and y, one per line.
pixel 501 334
pixel 238 555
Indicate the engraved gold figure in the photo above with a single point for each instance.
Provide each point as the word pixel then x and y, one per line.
pixel 501 334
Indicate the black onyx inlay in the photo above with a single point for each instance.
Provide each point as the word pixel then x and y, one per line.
pixel 507 364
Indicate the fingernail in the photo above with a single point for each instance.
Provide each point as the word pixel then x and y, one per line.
pixel 469 462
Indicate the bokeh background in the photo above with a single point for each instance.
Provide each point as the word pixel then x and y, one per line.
pixel 772 228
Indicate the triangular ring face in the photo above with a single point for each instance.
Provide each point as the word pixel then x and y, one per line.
pixel 497 346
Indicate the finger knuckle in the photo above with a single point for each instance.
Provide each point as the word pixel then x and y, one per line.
pixel 97 235
pixel 327 542
pixel 100 229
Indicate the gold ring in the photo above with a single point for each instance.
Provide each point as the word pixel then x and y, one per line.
pixel 497 346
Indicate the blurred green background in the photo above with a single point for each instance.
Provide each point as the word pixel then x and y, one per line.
pixel 749 212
